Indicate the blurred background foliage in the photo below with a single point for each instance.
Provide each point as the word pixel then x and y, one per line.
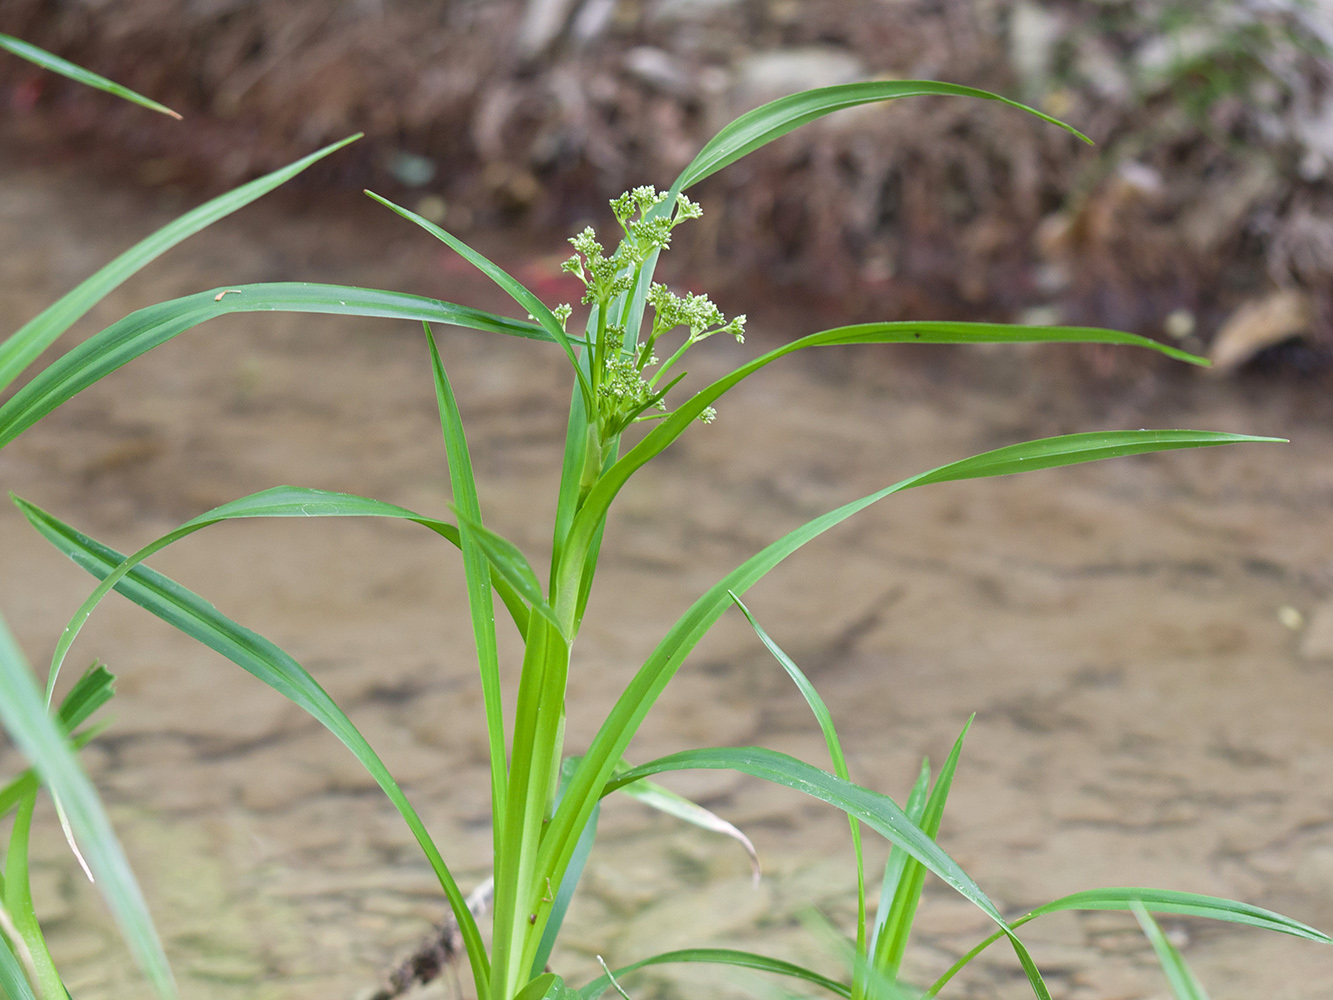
pixel 1203 214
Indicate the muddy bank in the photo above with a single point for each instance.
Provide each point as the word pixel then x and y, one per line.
pixel 1144 715
pixel 1208 190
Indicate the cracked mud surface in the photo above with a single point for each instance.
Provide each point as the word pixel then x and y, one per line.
pixel 1144 715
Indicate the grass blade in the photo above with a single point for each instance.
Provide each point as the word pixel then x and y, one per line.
pixel 37 334
pixel 825 720
pixel 612 739
pixel 1159 900
pixel 280 501
pixel 589 519
pixel 145 329
pixel 891 943
pixel 775 119
pixel 1179 975
pixel 896 864
pixel 721 956
pixel 44 59
pixel 38 736
pixel 508 284
pixel 877 811
pixel 477 576
pixel 197 618
pixel 1184 903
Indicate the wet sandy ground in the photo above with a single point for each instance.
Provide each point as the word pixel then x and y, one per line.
pixel 1144 715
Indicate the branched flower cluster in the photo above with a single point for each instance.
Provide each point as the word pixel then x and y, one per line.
pixel 621 390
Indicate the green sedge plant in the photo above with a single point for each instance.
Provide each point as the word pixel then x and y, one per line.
pixel 626 407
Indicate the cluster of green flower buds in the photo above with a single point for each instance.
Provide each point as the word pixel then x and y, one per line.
pixel 623 390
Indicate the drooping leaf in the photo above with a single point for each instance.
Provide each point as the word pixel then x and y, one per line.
pixel 775 119
pixel 826 726
pixel 189 613
pixel 1155 900
pixel 877 811
pixel 280 501
pixel 145 329
pixel 593 513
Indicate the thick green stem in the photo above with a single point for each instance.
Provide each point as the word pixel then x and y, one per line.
pixel 521 906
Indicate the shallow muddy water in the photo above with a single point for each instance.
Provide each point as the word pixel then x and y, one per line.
pixel 1147 644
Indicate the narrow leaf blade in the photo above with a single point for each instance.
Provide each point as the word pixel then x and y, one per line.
pixel 775 119
pixel 877 811
pixel 1179 975
pixel 507 282
pixel 38 736
pixel 17 352
pixel 146 328
pixel 47 60
pixel 721 956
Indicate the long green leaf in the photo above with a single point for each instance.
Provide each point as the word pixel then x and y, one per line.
pixel 1179 975
pixel 877 811
pixel 1184 903
pixel 197 618
pixel 510 285
pixel 593 513
pixel 1155 900
pixel 721 956
pixel 611 740
pixel 38 736
pixel 477 575
pixel 37 334
pixel 775 119
pixel 145 329
pixel 280 501
pixel 44 59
